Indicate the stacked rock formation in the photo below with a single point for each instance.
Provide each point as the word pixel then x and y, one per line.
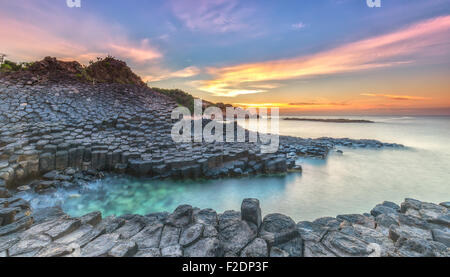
pixel 56 130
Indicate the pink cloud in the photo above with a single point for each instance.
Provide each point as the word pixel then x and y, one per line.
pixel 40 29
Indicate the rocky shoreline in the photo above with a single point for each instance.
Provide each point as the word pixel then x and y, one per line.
pixel 413 229
pixel 57 134
pixel 125 129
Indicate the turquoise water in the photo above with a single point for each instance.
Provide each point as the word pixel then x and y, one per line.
pixel 351 183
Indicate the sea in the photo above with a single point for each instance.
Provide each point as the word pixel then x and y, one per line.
pixel 353 182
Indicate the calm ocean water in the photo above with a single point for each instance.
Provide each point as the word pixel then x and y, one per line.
pixel 351 183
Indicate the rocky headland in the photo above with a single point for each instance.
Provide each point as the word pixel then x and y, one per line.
pixel 64 125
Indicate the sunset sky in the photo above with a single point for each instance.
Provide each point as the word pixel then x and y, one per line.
pixel 305 56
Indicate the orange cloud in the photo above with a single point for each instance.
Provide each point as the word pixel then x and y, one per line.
pixel 396 97
pixel 183 73
pixel 387 50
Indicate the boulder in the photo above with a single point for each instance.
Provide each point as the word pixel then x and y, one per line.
pixel 382 209
pixel 182 216
pixel 207 217
pixel 251 211
pixel 386 221
pixel 277 229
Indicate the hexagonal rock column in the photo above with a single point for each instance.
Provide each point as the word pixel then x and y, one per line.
pixel 251 211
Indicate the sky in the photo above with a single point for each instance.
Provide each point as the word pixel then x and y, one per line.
pixel 307 57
